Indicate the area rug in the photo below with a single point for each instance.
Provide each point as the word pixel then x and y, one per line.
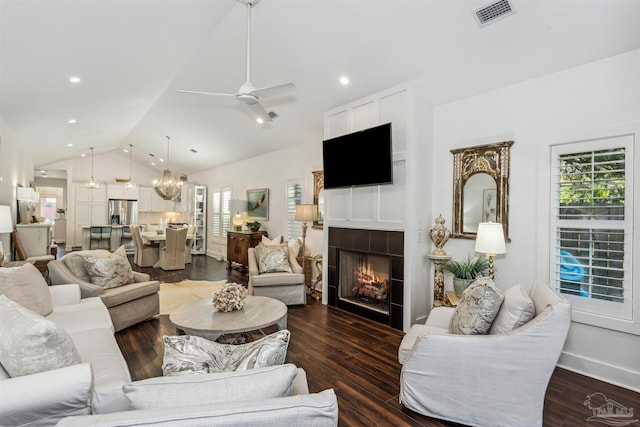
pixel 173 295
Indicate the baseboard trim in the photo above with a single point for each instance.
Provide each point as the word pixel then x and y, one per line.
pixel 600 371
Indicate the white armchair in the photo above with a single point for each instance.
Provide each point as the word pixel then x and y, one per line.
pixel 286 287
pixel 471 379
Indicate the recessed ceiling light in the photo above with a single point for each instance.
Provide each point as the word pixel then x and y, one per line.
pixel 71 121
pixel 260 120
pixel 69 145
pixel 344 80
pixel 74 79
pixel 125 150
pixel 161 159
pixel 154 182
pixel 153 163
pixel 83 155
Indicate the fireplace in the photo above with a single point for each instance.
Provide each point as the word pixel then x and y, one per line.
pixel 364 280
pixel 366 273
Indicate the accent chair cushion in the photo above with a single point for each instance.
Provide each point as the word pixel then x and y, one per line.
pixel 109 272
pixel 251 385
pixel 26 286
pixel 516 310
pixel 271 242
pixel 477 309
pixel 30 343
pixel 272 259
pixel 187 354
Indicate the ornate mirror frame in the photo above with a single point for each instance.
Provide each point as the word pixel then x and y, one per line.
pixel 318 186
pixel 491 159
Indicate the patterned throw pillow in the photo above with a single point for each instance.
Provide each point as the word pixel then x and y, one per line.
pixel 30 343
pixel 272 259
pixel 187 354
pixel 109 272
pixel 477 309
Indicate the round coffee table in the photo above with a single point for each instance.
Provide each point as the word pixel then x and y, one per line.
pixel 201 319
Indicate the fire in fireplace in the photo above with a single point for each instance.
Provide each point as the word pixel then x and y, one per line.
pixel 364 280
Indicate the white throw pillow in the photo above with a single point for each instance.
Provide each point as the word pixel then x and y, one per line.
pixel 109 272
pixel 517 309
pixel 30 343
pixel 185 354
pixel 273 259
pixel 477 309
pixel 212 389
pixel 295 246
pixel 271 242
pixel 26 286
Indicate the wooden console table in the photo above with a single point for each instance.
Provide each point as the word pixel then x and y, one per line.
pixel 238 244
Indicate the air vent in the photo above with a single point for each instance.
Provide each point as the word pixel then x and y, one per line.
pixel 272 114
pixel 193 150
pixel 493 11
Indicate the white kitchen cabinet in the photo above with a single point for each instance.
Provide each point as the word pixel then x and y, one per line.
pixel 150 201
pixel 35 238
pixel 121 192
pixel 90 209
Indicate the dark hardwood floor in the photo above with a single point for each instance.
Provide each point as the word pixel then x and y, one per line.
pixel 352 355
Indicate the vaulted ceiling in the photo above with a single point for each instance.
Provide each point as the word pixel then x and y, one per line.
pixel 132 55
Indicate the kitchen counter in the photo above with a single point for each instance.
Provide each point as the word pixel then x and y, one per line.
pixel 115 242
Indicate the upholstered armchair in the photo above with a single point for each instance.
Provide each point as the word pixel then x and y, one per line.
pixel 172 253
pixel 484 380
pixel 284 286
pixel 146 254
pixel 127 304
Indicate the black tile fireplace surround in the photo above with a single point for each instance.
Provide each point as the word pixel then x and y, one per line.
pixel 377 242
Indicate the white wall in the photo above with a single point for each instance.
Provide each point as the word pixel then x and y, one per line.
pixel 270 171
pixel 596 95
pixel 15 168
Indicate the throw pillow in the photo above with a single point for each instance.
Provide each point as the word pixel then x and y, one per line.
pixel 252 385
pixel 517 309
pixel 295 246
pixel 186 354
pixel 122 253
pixel 109 272
pixel 477 309
pixel 30 343
pixel 272 259
pixel 272 242
pixel 26 286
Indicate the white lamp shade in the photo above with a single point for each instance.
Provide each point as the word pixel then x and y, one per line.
pixel 490 238
pixel 237 205
pixel 24 193
pixel 6 223
pixel 306 212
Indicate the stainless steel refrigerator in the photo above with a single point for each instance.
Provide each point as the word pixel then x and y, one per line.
pixel 123 212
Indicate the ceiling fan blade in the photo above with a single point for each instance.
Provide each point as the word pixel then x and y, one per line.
pixel 273 91
pixel 205 93
pixel 260 112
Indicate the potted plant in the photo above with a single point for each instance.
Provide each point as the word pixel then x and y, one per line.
pixel 465 272
pixel 254 225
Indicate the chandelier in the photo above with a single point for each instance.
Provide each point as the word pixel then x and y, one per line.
pixel 91 183
pixel 167 187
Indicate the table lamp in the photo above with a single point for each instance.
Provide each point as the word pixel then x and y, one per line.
pixel 490 241
pixel 238 206
pixel 304 213
pixel 6 226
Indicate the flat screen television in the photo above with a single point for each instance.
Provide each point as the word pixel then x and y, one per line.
pixel 359 158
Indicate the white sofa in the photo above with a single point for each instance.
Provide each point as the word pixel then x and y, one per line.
pixel 498 379
pixel 94 392
pixel 93 386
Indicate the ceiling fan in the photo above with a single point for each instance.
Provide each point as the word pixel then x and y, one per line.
pixel 248 94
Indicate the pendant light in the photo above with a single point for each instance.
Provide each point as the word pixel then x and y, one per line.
pixel 167 187
pixel 130 185
pixel 91 183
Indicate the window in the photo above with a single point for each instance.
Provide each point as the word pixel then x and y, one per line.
pixel 592 225
pixel 221 219
pixel 294 197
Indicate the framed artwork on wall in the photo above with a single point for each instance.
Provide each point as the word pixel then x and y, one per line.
pixel 258 206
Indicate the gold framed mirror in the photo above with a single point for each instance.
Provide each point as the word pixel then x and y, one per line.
pixel 318 197
pixel 480 188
